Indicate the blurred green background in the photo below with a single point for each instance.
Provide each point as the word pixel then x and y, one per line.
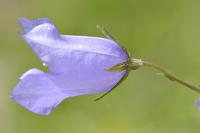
pixel 163 31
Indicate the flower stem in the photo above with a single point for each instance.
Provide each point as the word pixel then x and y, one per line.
pixel 134 64
pixel 170 76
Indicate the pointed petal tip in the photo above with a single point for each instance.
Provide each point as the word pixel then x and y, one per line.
pixel 32 71
pixel 42 111
pixel 42 33
pixel 37 93
pixel 38 110
pixel 27 25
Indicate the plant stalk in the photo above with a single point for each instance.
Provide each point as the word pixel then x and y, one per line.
pixel 170 76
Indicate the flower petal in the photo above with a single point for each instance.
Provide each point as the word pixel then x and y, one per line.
pixel 58 51
pixel 40 92
pixel 37 93
pixel 28 25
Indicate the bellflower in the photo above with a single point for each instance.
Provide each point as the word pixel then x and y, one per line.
pixel 76 66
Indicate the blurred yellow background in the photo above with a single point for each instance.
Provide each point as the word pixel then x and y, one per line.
pixel 166 32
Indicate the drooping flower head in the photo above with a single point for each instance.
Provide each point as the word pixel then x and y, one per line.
pixel 76 66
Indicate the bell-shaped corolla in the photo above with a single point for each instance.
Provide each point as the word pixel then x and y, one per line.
pixel 76 66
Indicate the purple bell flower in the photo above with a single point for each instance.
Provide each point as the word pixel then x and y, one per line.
pixel 76 66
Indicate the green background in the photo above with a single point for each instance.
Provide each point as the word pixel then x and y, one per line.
pixel 166 32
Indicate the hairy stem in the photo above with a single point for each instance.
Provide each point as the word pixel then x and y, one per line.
pixel 170 76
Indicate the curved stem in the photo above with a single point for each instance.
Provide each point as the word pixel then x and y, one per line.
pixel 134 64
pixel 170 76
